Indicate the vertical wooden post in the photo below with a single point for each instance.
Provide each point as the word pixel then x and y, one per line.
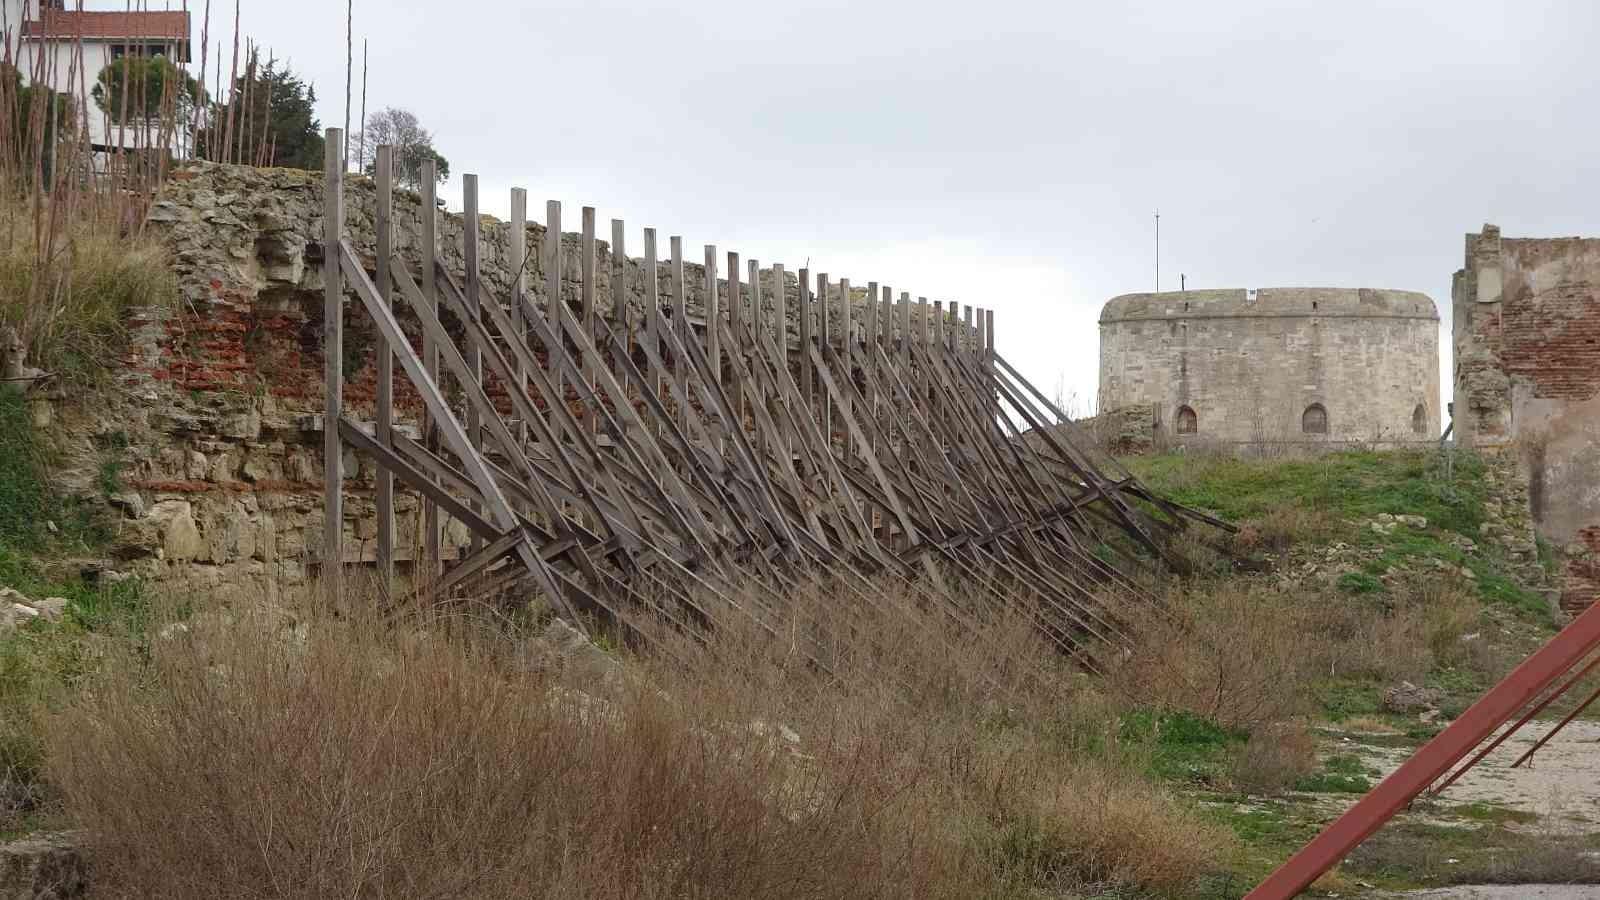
pixel 384 487
pixel 713 313
pixel 905 332
pixel 808 378
pixel 938 323
pixel 591 417
pixel 713 310
pixel 847 379
pixel 516 261
pixel 758 315
pixel 432 533
pixel 619 299
pixel 333 367
pixel 680 324
pixel 553 301
pixel 967 336
pixel 473 285
pixel 871 351
pixel 780 313
pixel 619 275
pixel 735 316
pixel 824 329
pixel 989 357
pixel 780 327
pixel 652 306
pixel 758 320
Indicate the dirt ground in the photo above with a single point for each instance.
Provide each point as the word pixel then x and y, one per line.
pixel 1559 786
pixel 1514 892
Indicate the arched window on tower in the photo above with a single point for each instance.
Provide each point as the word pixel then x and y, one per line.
pixel 1315 419
pixel 1419 419
pixel 1188 422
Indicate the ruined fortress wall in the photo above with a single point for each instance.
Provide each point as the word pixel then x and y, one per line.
pixel 1250 363
pixel 1527 381
pixel 213 424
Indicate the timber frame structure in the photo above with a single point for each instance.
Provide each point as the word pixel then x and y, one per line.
pixel 692 471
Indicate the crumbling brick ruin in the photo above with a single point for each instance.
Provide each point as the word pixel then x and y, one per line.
pixel 1527 382
pixel 1278 366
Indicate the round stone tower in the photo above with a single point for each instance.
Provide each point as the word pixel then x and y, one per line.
pixel 1276 365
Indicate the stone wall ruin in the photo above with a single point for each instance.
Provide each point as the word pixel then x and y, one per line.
pixel 1527 383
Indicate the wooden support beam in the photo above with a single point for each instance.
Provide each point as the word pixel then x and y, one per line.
pixel 454 434
pixel 333 367
pixel 553 300
pixel 713 312
pixel 680 323
pixel 846 335
pixel 652 308
pixel 736 317
pixel 590 313
pixel 383 482
pixel 470 232
pixel 806 315
pixel 432 528
pixel 517 262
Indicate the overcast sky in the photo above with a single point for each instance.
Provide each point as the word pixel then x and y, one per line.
pixel 1008 154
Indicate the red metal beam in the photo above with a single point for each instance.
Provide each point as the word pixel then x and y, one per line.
pixel 1526 717
pixel 1556 730
pixel 1435 758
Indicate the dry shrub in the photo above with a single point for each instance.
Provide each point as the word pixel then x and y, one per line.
pixel 1274 758
pixel 1238 657
pixel 1284 527
pixel 1405 639
pixel 1249 656
pixel 337 758
pixel 69 300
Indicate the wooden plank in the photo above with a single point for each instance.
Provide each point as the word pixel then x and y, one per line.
pixel 713 312
pixel 590 313
pixel 333 367
pixel 416 478
pixel 805 313
pixel 470 233
pixel 938 323
pixel 619 291
pixel 736 319
pixel 752 341
pixel 780 336
pixel 553 299
pixel 652 306
pixel 454 434
pixel 432 528
pixel 383 482
pixel 870 342
pixel 967 341
pixel 824 332
pixel 680 323
pixel 517 262
pixel 846 338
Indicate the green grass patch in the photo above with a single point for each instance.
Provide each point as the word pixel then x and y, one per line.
pixel 1182 747
pixel 1351 485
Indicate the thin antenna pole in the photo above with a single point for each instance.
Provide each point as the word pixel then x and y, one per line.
pixel 361 160
pixel 1158 251
pixel 349 72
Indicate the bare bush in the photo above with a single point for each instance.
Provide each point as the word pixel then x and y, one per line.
pixel 1274 758
pixel 1236 656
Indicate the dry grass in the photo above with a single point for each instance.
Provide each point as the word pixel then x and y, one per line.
pixel 1274 758
pixel 265 759
pixel 1248 655
pixel 68 296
